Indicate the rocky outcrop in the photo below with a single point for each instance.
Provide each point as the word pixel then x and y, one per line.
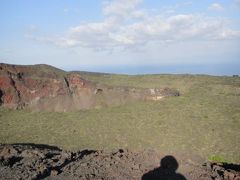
pixel 223 170
pixel 43 87
pixel 41 161
pixel 22 85
pixel 37 161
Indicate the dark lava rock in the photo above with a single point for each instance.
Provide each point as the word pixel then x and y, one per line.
pixel 31 161
pixel 224 171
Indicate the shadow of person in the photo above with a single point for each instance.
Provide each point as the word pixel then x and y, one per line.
pixel 166 171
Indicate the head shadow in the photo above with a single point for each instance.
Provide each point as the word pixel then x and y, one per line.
pixel 166 171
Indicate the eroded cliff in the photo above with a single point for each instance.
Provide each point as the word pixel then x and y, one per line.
pixel 43 87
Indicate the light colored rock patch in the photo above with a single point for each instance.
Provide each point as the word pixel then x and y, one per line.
pixel 157 98
pixel 152 91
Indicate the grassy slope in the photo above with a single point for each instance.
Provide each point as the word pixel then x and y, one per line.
pixel 204 120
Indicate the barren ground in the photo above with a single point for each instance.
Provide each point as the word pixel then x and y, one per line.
pixel 30 161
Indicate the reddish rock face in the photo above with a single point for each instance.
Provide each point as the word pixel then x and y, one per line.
pixel 26 86
pixel 9 95
pixel 42 87
pixel 75 81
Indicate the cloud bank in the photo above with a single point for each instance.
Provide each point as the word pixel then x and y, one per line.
pixel 127 26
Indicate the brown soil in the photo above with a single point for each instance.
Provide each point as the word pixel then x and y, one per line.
pixel 31 161
pixel 43 87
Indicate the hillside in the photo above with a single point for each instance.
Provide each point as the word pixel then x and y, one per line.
pixel 204 121
pixel 43 87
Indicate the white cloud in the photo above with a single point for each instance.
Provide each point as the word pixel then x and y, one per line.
pixel 216 7
pixel 127 27
pixel 120 7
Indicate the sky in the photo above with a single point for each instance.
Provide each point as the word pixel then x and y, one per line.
pixel 123 36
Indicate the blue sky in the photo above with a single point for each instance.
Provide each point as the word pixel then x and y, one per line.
pixel 123 36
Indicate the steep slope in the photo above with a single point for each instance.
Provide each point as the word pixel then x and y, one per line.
pixel 43 87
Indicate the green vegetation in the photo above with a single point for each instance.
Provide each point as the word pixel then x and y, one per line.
pixel 204 120
pixel 216 158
